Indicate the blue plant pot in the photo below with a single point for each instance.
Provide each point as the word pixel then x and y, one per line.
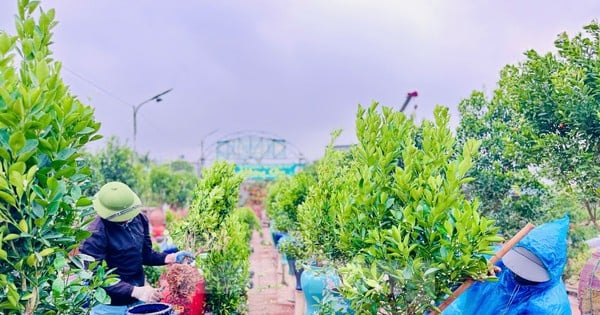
pixel 297 272
pixel 277 237
pixel 290 261
pixel 151 309
pixel 314 282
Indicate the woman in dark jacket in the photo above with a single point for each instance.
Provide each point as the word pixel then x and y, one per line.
pixel 120 236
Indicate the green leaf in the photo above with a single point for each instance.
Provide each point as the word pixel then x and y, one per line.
pixel 39 222
pixel 32 5
pixel 372 283
pixel 23 226
pixel 11 237
pixel 8 198
pixel 4 136
pixel 26 297
pixel 389 203
pixel 31 260
pixel 5 43
pixel 86 274
pixel 16 180
pixel 37 210
pixel 4 154
pixel 28 26
pixel 86 130
pixel 3 254
pixel 42 71
pixel 53 207
pixel 46 251
pixel 111 281
pixel 77 262
pixel 430 271
pixel 58 287
pixel 81 235
pixel 65 154
pixel 16 141
pixel 66 171
pixel 30 145
pixel 101 296
pixel 59 262
pixel 407 274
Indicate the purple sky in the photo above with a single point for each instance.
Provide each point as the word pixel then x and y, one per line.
pixel 296 69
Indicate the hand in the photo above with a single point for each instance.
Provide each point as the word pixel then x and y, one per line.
pixel 146 294
pixel 491 274
pixel 179 257
pixel 493 270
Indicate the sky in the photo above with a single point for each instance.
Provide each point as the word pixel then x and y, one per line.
pixel 295 69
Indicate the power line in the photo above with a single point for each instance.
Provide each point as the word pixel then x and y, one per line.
pixel 101 89
pixel 105 91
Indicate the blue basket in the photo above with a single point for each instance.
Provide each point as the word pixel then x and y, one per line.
pixel 151 309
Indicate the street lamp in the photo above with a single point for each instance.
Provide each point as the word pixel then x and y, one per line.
pixel 156 98
pixel 202 159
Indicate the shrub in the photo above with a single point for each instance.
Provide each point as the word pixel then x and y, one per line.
pixel 43 212
pixel 405 219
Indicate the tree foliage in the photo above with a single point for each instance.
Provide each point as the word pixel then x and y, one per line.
pixel 43 212
pixel 542 121
pixel 117 162
pixel 509 192
pixel 319 213
pixel 411 232
pixel 173 183
pixel 214 225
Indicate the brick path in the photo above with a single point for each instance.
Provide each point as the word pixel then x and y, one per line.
pixel 269 294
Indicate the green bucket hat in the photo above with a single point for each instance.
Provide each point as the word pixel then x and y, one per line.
pixel 116 202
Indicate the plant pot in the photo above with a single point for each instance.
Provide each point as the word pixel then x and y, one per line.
pixel 297 272
pixel 151 309
pixel 291 265
pixel 314 282
pixel 277 237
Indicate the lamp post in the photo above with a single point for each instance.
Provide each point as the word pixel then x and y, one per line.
pixel 202 158
pixel 136 108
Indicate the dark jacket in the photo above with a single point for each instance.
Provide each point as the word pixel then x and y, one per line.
pixel 126 248
pixel 507 297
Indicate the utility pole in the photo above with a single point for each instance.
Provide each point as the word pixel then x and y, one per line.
pixel 136 108
pixel 202 157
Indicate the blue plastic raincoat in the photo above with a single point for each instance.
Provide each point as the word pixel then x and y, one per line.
pixel 507 297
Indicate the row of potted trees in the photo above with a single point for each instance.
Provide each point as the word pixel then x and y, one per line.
pixel 219 233
pixel 386 222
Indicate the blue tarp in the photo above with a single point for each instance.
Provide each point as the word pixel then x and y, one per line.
pixel 507 297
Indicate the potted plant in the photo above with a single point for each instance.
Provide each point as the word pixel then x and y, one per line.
pixel 213 224
pixel 412 234
pixel 44 209
pixel 319 227
pixel 294 250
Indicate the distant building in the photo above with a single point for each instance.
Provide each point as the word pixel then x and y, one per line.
pixel 343 147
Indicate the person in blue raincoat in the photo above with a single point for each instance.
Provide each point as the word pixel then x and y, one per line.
pixel 529 281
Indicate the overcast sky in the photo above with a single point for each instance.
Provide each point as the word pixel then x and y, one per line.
pixel 296 69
